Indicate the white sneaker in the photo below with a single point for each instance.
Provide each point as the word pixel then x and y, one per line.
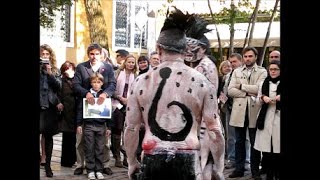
pixel 91 175
pixel 99 175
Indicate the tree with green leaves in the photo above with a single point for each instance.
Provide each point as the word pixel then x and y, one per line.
pixel 260 61
pixel 48 10
pixel 253 21
pixel 218 35
pixel 96 21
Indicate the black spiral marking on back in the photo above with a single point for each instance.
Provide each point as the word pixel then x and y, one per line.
pixel 154 126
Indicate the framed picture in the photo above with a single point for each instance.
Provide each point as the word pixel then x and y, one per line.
pixel 97 111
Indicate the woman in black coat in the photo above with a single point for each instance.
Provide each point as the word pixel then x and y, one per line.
pixel 68 120
pixel 50 85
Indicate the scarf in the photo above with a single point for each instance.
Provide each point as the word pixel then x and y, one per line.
pixel 121 81
pixel 264 108
pixel 144 71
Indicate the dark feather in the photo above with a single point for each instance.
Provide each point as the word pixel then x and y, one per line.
pixel 198 28
pixel 177 19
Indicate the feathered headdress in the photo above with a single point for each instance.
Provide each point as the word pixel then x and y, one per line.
pixel 172 35
pixel 198 29
pixel 177 19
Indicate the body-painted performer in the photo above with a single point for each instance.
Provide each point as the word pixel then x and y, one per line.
pixel 171 100
pixel 212 165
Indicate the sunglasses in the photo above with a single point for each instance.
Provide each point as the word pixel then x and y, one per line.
pixel 274 56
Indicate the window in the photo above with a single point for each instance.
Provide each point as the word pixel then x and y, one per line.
pixel 131 22
pixel 62 32
pixel 68 25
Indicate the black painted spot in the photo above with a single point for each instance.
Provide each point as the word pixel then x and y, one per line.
pixel 165 73
pixel 147 77
pixel 177 84
pixel 155 68
pixel 137 79
pixel 201 85
pixel 211 96
pixel 190 90
pixel 141 91
pixel 192 79
pixel 128 109
pixel 142 109
pixel 215 116
pixel 131 92
pixel 179 73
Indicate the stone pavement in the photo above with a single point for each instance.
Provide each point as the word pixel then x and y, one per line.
pixel 64 173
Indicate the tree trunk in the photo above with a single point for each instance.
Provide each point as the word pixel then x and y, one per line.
pixel 260 61
pixel 247 33
pixel 97 23
pixel 254 19
pixel 218 35
pixel 232 21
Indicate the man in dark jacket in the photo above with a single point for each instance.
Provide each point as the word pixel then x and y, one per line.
pixel 81 84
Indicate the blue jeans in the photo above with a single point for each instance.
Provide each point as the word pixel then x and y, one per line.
pixel 255 156
pixel 231 141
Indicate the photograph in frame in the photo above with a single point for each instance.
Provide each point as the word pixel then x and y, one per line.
pixel 97 111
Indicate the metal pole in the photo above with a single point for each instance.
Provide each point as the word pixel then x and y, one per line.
pixel 140 41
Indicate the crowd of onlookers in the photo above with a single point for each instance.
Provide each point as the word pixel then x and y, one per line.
pixel 86 140
pixel 248 102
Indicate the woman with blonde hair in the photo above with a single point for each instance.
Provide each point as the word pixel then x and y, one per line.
pixel 125 76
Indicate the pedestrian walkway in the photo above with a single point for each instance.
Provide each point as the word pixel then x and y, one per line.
pixel 64 173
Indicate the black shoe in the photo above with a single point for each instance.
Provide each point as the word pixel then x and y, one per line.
pixel 235 174
pixel 107 171
pixel 125 163
pixel 66 165
pixel 48 171
pixel 230 165
pixel 78 171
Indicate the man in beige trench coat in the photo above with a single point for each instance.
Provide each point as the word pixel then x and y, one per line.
pixel 243 88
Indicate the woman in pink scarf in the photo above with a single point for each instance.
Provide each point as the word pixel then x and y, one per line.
pixel 125 76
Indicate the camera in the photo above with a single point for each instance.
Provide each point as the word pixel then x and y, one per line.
pixel 44 61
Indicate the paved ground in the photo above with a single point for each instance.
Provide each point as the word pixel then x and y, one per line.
pixel 63 173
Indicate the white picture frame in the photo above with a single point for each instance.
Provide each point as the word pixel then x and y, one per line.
pixel 97 111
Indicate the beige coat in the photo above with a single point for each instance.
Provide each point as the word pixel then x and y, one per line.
pixel 240 99
pixel 271 125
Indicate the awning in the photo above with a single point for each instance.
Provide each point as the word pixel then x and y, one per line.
pixel 260 31
pixel 238 43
